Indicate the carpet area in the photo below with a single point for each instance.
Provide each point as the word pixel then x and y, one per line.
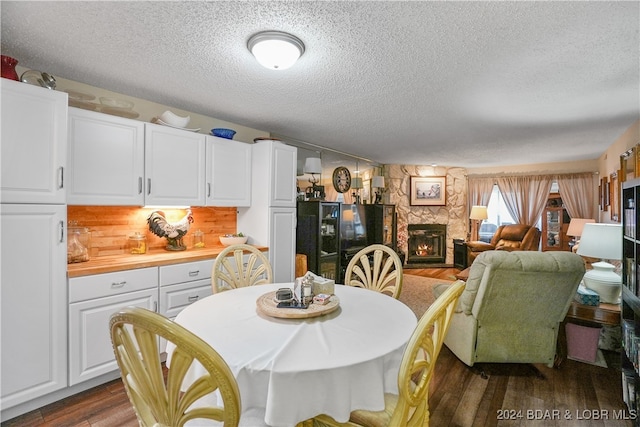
pixel 417 292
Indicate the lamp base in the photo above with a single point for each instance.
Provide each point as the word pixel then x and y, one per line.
pixel 604 281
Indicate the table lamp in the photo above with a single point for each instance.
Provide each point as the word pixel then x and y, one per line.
pixel 313 166
pixel 356 184
pixel 477 215
pixel 377 182
pixel 602 241
pixel 576 225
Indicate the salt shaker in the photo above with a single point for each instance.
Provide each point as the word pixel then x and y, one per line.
pixel 307 294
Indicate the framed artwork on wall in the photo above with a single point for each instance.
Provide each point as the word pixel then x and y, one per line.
pixel 628 165
pixel 427 191
pixel 604 193
pixel 614 196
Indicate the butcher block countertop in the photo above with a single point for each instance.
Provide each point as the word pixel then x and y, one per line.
pixel 154 258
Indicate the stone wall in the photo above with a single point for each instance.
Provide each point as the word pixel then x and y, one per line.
pixel 453 214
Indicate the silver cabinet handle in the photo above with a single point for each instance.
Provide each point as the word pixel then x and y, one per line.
pixel 193 298
pixel 61 177
pixel 194 273
pixel 148 185
pixel 208 189
pixel 118 284
pixel 61 226
pixel 139 185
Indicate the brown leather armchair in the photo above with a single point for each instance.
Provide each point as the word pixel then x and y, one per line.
pixel 510 237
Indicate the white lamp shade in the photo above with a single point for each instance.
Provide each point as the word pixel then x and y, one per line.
pixel 275 50
pixel 356 183
pixel 312 165
pixel 576 225
pixel 602 241
pixel 478 213
pixel 377 182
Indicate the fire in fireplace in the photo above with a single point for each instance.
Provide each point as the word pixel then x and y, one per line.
pixel 427 243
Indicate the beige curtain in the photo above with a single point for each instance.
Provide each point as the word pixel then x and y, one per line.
pixel 577 192
pixel 479 189
pixel 525 196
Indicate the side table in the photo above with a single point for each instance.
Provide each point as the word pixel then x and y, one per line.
pixel 459 254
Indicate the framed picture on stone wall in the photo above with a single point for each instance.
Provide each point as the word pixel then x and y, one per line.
pixel 427 190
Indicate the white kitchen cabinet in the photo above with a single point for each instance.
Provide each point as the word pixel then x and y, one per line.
pixel 174 166
pixel 33 154
pixel 228 172
pixel 33 298
pixel 106 159
pixel 271 218
pixel 282 229
pixel 92 301
pixel 183 284
pixel 274 167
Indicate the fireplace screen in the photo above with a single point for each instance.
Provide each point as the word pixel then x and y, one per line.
pixel 427 243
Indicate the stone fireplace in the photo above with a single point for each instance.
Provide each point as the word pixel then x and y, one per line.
pixel 427 243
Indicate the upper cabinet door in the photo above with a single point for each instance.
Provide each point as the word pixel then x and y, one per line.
pixel 174 166
pixel 228 172
pixel 106 159
pixel 33 148
pixel 283 175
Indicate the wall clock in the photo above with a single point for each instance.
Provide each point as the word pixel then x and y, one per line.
pixel 341 179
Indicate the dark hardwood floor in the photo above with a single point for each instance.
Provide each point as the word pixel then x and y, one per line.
pixel 575 394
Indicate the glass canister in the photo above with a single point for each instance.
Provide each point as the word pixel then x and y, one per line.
pixel 137 243
pixel 78 244
pixel 198 239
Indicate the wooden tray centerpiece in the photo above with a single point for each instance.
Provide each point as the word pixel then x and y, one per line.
pixel 268 306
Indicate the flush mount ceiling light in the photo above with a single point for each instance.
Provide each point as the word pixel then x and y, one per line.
pixel 275 50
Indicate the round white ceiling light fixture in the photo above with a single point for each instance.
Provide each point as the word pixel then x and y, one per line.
pixel 275 50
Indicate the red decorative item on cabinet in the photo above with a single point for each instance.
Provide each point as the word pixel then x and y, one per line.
pixel 9 68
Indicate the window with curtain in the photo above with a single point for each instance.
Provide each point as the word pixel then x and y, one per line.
pixel 497 213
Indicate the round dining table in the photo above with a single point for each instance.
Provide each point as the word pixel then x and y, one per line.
pixel 292 369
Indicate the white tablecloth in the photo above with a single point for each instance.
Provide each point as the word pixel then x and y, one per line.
pixel 294 369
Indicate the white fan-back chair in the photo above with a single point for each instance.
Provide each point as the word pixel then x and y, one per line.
pixel 231 271
pixel 376 267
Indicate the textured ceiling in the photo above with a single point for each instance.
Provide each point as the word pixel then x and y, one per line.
pixel 470 84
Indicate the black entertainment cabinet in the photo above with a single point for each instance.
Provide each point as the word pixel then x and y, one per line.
pixel 331 233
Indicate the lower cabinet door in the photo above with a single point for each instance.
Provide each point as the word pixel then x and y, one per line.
pixel 90 350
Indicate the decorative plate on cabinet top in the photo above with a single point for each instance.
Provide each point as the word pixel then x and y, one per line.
pixel 156 120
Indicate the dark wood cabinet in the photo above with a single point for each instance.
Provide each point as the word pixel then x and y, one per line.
pixel 460 254
pixel 317 236
pixel 381 225
pixel 555 222
pixel 330 233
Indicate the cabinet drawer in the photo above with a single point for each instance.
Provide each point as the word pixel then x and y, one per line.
pixel 107 284
pixel 174 298
pixel 185 272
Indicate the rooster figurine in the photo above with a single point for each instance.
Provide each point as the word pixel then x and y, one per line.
pixel 173 232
